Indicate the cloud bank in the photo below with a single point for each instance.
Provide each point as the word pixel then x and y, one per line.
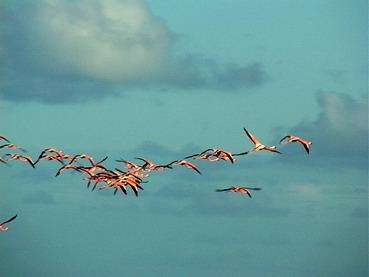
pixel 89 48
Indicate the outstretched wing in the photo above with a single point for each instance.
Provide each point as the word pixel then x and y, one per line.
pixel 195 168
pixel 251 137
pixel 4 138
pixel 241 154
pixel 29 160
pixel 7 221
pixel 283 139
pixel 253 188
pixel 219 190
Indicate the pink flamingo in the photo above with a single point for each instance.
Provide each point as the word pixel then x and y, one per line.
pixel 12 146
pixel 258 146
pixel 185 164
pixel 292 138
pixel 239 189
pixel 23 158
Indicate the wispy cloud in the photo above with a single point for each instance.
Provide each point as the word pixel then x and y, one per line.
pixel 60 51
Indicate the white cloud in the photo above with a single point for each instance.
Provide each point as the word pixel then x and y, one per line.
pixel 115 44
pixel 105 40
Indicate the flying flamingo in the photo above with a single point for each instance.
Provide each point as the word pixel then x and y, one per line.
pixel 258 146
pixel 83 156
pixel 239 189
pixel 186 164
pixel 149 165
pixel 90 170
pixel 130 165
pixel 213 154
pixel 3 224
pixel 12 146
pixel 204 155
pixel 23 158
pixel 67 166
pixel 292 138
pixel 224 155
pixel 122 182
pixel 52 150
pixel 50 158
pixel 60 156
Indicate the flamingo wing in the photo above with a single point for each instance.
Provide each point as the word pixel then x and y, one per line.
pixel 123 189
pixel 251 137
pixel 100 161
pixel 229 155
pixel 29 160
pixel 193 167
pixel 282 139
pixel 254 188
pixel 220 190
pixel 306 147
pixel 241 154
pixel 4 138
pixel 191 156
pixel 9 220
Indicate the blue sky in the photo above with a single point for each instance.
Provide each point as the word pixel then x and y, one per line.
pixel 163 80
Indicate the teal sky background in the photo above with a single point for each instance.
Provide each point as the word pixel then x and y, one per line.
pixel 162 80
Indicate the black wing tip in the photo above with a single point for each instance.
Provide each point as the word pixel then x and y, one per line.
pixel 307 149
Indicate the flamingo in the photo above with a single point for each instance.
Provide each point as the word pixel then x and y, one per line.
pixel 149 165
pixel 59 155
pixel 130 165
pixel 3 224
pixel 258 146
pixel 292 138
pixel 204 156
pixel 224 155
pixel 122 182
pixel 214 155
pixel 12 146
pixel 67 166
pixel 50 158
pixel 90 170
pixel 83 156
pixel 239 189
pixel 134 173
pixel 51 150
pixel 186 164
pixel 23 158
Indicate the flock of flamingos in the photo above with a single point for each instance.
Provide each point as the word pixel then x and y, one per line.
pixel 133 175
